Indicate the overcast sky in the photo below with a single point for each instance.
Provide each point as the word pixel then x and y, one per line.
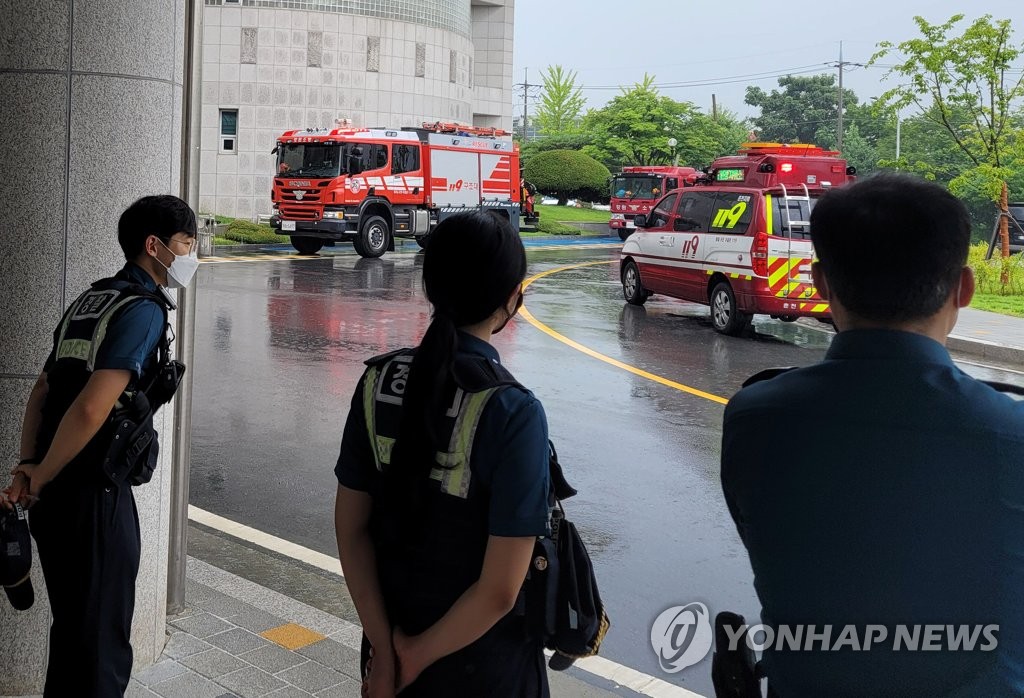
pixel 730 43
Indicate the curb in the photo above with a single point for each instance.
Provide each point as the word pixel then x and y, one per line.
pixel 978 348
pixel 985 349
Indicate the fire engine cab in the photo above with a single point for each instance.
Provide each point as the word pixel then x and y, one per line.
pixel 739 241
pixel 369 186
pixel 637 187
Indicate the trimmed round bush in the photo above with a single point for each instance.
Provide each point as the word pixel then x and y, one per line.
pixel 568 174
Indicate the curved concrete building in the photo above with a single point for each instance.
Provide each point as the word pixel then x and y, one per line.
pixel 274 65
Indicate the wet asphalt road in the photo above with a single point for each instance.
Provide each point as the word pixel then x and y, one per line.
pixel 280 346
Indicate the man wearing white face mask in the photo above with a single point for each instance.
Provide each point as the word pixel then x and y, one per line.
pixel 107 351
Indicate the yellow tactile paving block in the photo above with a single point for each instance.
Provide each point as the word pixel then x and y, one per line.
pixel 292 637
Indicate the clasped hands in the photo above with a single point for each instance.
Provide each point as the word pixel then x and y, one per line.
pixel 390 672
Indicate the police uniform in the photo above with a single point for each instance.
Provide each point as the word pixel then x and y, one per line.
pixel 492 479
pixel 86 527
pixel 867 490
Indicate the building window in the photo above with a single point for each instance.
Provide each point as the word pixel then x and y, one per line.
pixel 421 60
pixel 373 54
pixel 232 2
pixel 228 130
pixel 453 66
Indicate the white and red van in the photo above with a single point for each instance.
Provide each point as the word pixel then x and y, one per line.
pixel 739 241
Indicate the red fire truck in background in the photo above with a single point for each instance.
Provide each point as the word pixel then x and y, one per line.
pixel 637 187
pixel 739 241
pixel 369 186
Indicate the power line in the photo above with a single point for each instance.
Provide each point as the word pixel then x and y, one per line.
pixel 709 82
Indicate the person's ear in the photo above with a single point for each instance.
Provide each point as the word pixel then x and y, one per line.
pixel 515 301
pixel 965 290
pixel 820 281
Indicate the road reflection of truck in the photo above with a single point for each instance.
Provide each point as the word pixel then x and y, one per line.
pixel 369 186
pixel 637 188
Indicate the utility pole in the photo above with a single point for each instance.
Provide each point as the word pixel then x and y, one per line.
pixel 525 84
pixel 714 106
pixel 898 135
pixel 839 134
pixel 842 64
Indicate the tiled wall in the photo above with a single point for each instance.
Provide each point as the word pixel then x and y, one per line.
pixel 452 15
pixel 298 68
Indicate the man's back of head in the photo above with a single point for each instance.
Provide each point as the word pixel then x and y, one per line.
pixel 892 251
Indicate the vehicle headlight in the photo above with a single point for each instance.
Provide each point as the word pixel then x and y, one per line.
pixel 334 214
pixel 618 216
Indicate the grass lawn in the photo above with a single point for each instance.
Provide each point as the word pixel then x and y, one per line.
pixel 571 213
pixel 549 226
pixel 224 242
pixel 1007 305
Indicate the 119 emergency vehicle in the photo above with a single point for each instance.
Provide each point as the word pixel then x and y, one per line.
pixel 739 241
pixel 637 187
pixel 369 186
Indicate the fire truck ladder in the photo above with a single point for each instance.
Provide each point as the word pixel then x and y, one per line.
pixel 789 226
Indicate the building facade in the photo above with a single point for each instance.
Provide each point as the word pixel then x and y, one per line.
pixel 274 65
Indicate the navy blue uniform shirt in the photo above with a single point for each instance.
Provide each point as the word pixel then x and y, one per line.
pixel 510 454
pixel 881 486
pixel 133 334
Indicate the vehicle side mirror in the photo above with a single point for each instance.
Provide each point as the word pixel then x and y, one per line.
pixel 640 221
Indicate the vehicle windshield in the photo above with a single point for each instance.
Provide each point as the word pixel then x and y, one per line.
pixel 309 160
pixel 637 187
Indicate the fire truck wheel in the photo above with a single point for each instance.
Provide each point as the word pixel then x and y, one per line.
pixel 307 245
pixel 625 233
pixel 373 237
pixel 632 289
pixel 724 315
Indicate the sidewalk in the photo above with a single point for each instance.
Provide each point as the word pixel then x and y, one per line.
pixel 989 335
pixel 240 638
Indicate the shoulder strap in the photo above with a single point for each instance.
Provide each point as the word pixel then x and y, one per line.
pixel 767 374
pixel 384 358
pixel 477 373
pixel 132 291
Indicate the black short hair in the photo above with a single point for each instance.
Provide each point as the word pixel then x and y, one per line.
pixel 162 215
pixel 892 246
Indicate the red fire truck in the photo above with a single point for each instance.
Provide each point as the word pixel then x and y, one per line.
pixel 739 241
pixel 369 186
pixel 637 187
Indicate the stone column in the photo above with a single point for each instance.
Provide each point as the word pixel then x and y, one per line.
pixel 90 119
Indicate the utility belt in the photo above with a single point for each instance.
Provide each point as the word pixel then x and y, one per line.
pixel 134 443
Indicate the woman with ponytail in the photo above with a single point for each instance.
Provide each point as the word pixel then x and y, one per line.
pixel 444 486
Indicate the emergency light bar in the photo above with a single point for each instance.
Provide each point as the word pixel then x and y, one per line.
pixel 793 149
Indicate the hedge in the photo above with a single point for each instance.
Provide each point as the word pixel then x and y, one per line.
pixel 568 174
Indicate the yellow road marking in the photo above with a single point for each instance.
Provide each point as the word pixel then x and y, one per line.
pixel 528 316
pixel 292 637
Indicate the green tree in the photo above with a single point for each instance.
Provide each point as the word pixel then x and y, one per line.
pixel 960 82
pixel 561 102
pixel 635 128
pixel 795 113
pixel 568 173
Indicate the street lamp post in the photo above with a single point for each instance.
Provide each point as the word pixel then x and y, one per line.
pixel 672 143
